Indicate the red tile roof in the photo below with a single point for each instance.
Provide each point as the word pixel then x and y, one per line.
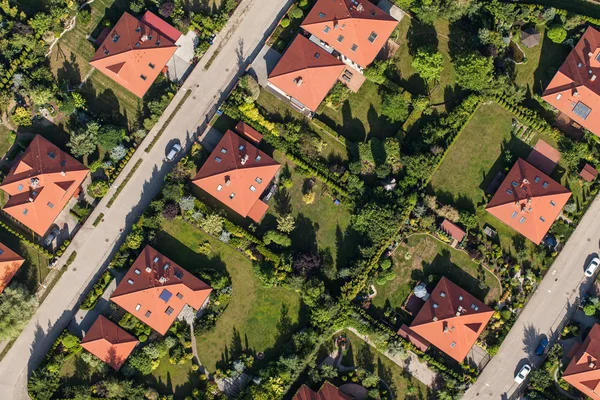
pixel 10 262
pixel 544 157
pixel 416 339
pixel 454 231
pixel 451 319
pixel 138 55
pixel 109 342
pixel 306 72
pixel 327 392
pixel 236 174
pixel 583 372
pixel 40 184
pixel 588 173
pixel 246 130
pixel 528 201
pixel 155 290
pixel 349 28
pixel 576 85
pixel 161 25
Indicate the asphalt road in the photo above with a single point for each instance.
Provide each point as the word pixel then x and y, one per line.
pixel 550 307
pixel 236 45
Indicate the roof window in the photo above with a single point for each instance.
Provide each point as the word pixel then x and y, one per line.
pixel 155 259
pixel 50 204
pixel 63 163
pixel 372 37
pixel 178 274
pixel 435 305
pixel 252 188
pixel 537 179
pixel 514 183
pixel 241 147
pixel 106 51
pixel 143 76
pixel 558 96
pixel 232 195
pixel 321 15
pixel 25 211
pixel 598 57
pixel 148 314
pixel 542 219
pixel 460 298
pixel 258 180
pixel 151 65
pixel 317 55
pixel 552 203
pixel 326 29
pixel 138 44
pixel 137 271
pixel 522 220
pixel 179 296
pixel 340 39
pixel 166 267
pixel 508 191
pixel 138 29
pixel 137 308
pixel 218 159
pixel 514 214
pixel 223 150
pixel 116 38
pixel 52 155
pixel 258 158
pixel 20 187
pixel 130 281
pixel 219 188
pixel 354 47
pixel 545 185
pixel 453 344
pixel 165 295
pixel 169 310
pixel 582 110
pixel 158 42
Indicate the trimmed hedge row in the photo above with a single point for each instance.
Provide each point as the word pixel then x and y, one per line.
pixel 319 174
pixel 528 117
pixel 122 165
pixel 240 232
pixel 24 239
pixel 97 291
pixel 122 185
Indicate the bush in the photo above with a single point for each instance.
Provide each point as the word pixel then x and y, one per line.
pixel 296 13
pixel 302 3
pixel 309 197
pixel 557 34
pixel 281 44
pixel 285 23
pixel 96 293
pixel 98 188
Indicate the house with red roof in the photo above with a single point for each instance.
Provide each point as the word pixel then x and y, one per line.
pixel 109 342
pixel 583 372
pixel 451 320
pixel 453 231
pixel 40 184
pixel 237 173
pixel 305 74
pixel 327 392
pixel 528 201
pixel 156 289
pixel 135 51
pixel 356 29
pixel 10 262
pixel 588 173
pixel 575 89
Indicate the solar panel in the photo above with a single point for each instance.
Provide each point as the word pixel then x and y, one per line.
pixel 582 110
pixel 165 295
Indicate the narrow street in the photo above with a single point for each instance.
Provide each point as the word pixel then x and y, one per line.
pixel 236 45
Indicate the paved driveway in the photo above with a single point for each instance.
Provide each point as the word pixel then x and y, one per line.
pixel 236 45
pixel 553 303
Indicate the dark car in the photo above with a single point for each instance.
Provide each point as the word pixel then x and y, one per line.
pixel 541 347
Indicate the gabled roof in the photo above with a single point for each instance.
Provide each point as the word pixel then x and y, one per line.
pixel 109 342
pixel 544 157
pixel 528 201
pixel 246 130
pixel 135 51
pixel 155 290
pixel 588 173
pixel 575 89
pixel 41 183
pixel 454 231
pixel 530 37
pixel 306 72
pixel 355 23
pixel 236 174
pixel 451 319
pixel 327 392
pixel 10 262
pixel 583 372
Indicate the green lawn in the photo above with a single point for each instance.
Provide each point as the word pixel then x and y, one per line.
pixel 5 140
pixel 256 316
pixel 178 380
pixel 429 256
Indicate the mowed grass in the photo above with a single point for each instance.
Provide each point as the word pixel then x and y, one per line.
pixel 169 379
pixel 5 141
pixel 429 256
pixel 256 316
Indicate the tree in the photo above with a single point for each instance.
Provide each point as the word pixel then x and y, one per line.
pixel 41 23
pixel 590 310
pixel 137 6
pixel 469 220
pixel 84 142
pixel 541 379
pixel 305 263
pixel 395 107
pixel 166 9
pixel 118 153
pixel 557 34
pixel 135 238
pixel 449 212
pixel 173 191
pixel 286 224
pixel 474 72
pixel 170 211
pixel 17 306
pixel 22 116
pixel 110 136
pixel 212 224
pixel 278 238
pixel 40 95
pixel 428 63
pixel 309 197
pixel 98 188
pixel 187 203
pixel 376 71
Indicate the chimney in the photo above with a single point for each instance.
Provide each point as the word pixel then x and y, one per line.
pixel 298 81
pixel 590 54
pixel 575 92
pixel 144 38
pixel 244 159
pixel 162 279
pixel 435 319
pixel 593 78
pixel 592 364
pixel 458 313
pixel 227 181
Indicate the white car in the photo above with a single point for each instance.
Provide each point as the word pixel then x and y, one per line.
pixel 174 151
pixel 592 267
pixel 523 374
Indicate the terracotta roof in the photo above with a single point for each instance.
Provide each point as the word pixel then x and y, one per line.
pixel 40 184
pixel 416 339
pixel 575 89
pixel 588 173
pixel 583 372
pixel 454 231
pixel 109 342
pixel 246 130
pixel 327 392
pixel 135 52
pixel 155 290
pixel 349 28
pixel 306 72
pixel 10 262
pixel 528 201
pixel 451 319
pixel 236 174
pixel 544 157
pixel 161 25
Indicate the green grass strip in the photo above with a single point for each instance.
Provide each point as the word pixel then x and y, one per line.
pixel 166 124
pixel 122 185
pixel 98 219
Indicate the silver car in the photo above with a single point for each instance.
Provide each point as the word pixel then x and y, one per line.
pixel 173 152
pixel 523 374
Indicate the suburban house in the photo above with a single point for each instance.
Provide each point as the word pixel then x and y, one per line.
pixel 356 29
pixel 10 262
pixel 305 74
pixel 136 51
pixel 109 342
pixel 583 372
pixel 451 319
pixel 40 184
pixel 155 290
pixel 327 392
pixel 528 201
pixel 575 89
pixel 237 173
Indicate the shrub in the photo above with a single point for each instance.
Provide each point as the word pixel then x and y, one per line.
pixel 98 188
pixel 22 116
pixel 309 197
pixel 285 23
pixel 94 295
pixel 281 44
pixel 302 3
pixel 557 34
pixel 118 153
pixel 296 13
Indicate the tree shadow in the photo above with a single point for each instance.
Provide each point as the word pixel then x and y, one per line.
pixel 552 56
pixel 304 236
pixel 283 201
pixel 351 128
pixel 69 76
pixel 346 244
pixel 365 358
pixel 531 340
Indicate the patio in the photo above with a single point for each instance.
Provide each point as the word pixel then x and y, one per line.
pixel 352 79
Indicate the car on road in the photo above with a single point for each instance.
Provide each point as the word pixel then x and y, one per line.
pixel 592 267
pixel 173 152
pixel 51 236
pixel 525 370
pixel 541 347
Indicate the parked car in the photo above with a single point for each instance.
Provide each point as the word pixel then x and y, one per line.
pixel 541 347
pixel 592 267
pixel 173 152
pixel 525 370
pixel 51 236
